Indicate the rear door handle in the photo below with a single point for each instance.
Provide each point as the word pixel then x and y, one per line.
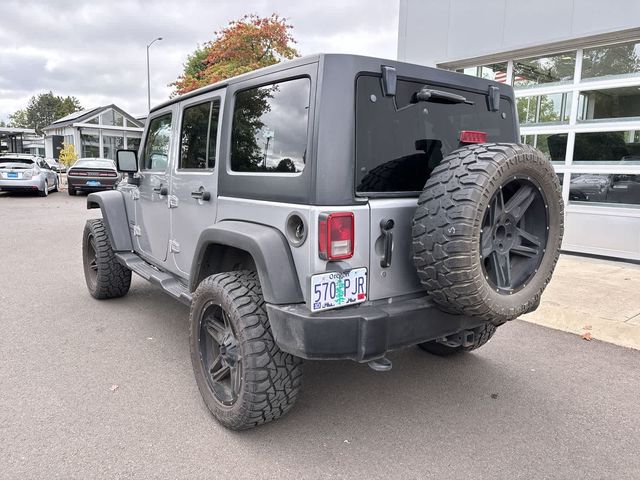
pixel 160 190
pixel 201 194
pixel 386 226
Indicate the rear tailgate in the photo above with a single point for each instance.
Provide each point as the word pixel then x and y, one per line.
pixel 398 143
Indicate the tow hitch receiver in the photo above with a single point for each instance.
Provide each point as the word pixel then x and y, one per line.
pixel 463 338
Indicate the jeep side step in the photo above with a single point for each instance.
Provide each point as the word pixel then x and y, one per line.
pixel 169 283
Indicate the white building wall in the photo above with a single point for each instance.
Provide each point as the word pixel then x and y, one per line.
pixel 435 32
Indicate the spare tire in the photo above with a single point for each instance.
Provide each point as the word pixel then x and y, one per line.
pixel 487 231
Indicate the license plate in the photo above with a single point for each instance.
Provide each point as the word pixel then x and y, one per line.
pixel 93 183
pixel 12 175
pixel 338 289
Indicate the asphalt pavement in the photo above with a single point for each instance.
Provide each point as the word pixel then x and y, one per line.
pixel 104 389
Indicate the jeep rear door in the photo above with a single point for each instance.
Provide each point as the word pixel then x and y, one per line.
pixel 194 177
pixel 398 144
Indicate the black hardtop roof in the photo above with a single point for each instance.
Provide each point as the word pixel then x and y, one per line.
pixel 364 63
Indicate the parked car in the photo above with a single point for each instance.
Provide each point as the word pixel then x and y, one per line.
pixel 331 207
pixel 55 165
pixel 92 174
pixel 27 173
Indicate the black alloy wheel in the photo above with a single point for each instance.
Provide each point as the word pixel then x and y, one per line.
pixel 220 355
pixel 514 234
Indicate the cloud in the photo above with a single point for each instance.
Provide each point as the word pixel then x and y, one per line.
pixel 96 50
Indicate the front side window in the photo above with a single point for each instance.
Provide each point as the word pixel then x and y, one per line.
pixel 156 148
pixel 269 132
pixel 198 136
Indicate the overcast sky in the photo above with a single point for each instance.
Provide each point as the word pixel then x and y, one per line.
pixel 95 49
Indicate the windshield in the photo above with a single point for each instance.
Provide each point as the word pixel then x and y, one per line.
pixel 94 164
pixel 399 144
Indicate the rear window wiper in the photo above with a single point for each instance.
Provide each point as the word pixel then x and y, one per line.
pixel 438 96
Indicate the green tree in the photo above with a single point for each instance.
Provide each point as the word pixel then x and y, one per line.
pixel 43 110
pixel 244 45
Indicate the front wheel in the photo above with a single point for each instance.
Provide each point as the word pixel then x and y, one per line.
pixel 105 276
pixel 244 378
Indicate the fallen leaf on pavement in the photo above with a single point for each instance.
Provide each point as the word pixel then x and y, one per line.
pixel 586 336
pixel 114 387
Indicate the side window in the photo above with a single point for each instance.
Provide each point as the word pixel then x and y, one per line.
pixel 269 133
pixel 156 147
pixel 199 135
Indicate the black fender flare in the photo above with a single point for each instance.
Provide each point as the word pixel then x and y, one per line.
pixel 270 252
pixel 114 214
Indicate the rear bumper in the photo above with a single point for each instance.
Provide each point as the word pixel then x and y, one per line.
pixel 364 332
pixel 80 183
pixel 21 185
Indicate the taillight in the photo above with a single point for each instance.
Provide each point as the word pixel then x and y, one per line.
pixel 75 173
pixel 108 174
pixel 472 136
pixel 335 235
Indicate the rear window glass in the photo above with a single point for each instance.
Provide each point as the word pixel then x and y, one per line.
pixel 94 164
pixel 398 143
pixel 24 161
pixel 269 132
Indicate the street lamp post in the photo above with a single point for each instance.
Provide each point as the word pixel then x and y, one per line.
pixel 148 74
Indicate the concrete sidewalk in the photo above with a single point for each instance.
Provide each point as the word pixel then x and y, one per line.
pixel 589 295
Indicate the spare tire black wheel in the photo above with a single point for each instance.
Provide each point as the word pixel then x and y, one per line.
pixel 488 229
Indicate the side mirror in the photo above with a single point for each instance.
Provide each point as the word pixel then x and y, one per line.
pixel 127 161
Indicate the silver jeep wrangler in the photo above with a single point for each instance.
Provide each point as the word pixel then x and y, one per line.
pixel 331 207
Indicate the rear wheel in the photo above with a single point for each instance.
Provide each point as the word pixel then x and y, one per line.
pixel 487 231
pixel 104 275
pixel 244 378
pixel 45 191
pixel 71 190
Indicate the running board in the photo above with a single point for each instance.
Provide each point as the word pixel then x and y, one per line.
pixel 168 282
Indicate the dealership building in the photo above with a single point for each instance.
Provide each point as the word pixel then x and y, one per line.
pixel 575 69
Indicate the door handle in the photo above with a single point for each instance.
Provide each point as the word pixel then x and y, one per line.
pixel 201 194
pixel 160 190
pixel 387 238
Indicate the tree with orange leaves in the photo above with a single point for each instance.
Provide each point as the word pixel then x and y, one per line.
pixel 244 45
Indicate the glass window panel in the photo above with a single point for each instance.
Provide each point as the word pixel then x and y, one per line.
pixel 554 69
pixel 552 108
pixel 193 136
pixel 398 144
pixel 613 103
pixel 90 146
pixel 269 133
pixel 611 61
pixel 605 148
pixel 110 145
pixel 553 146
pixel 112 118
pixel 156 150
pixel 605 188
pixel 133 143
pixel 92 120
pixel 494 71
